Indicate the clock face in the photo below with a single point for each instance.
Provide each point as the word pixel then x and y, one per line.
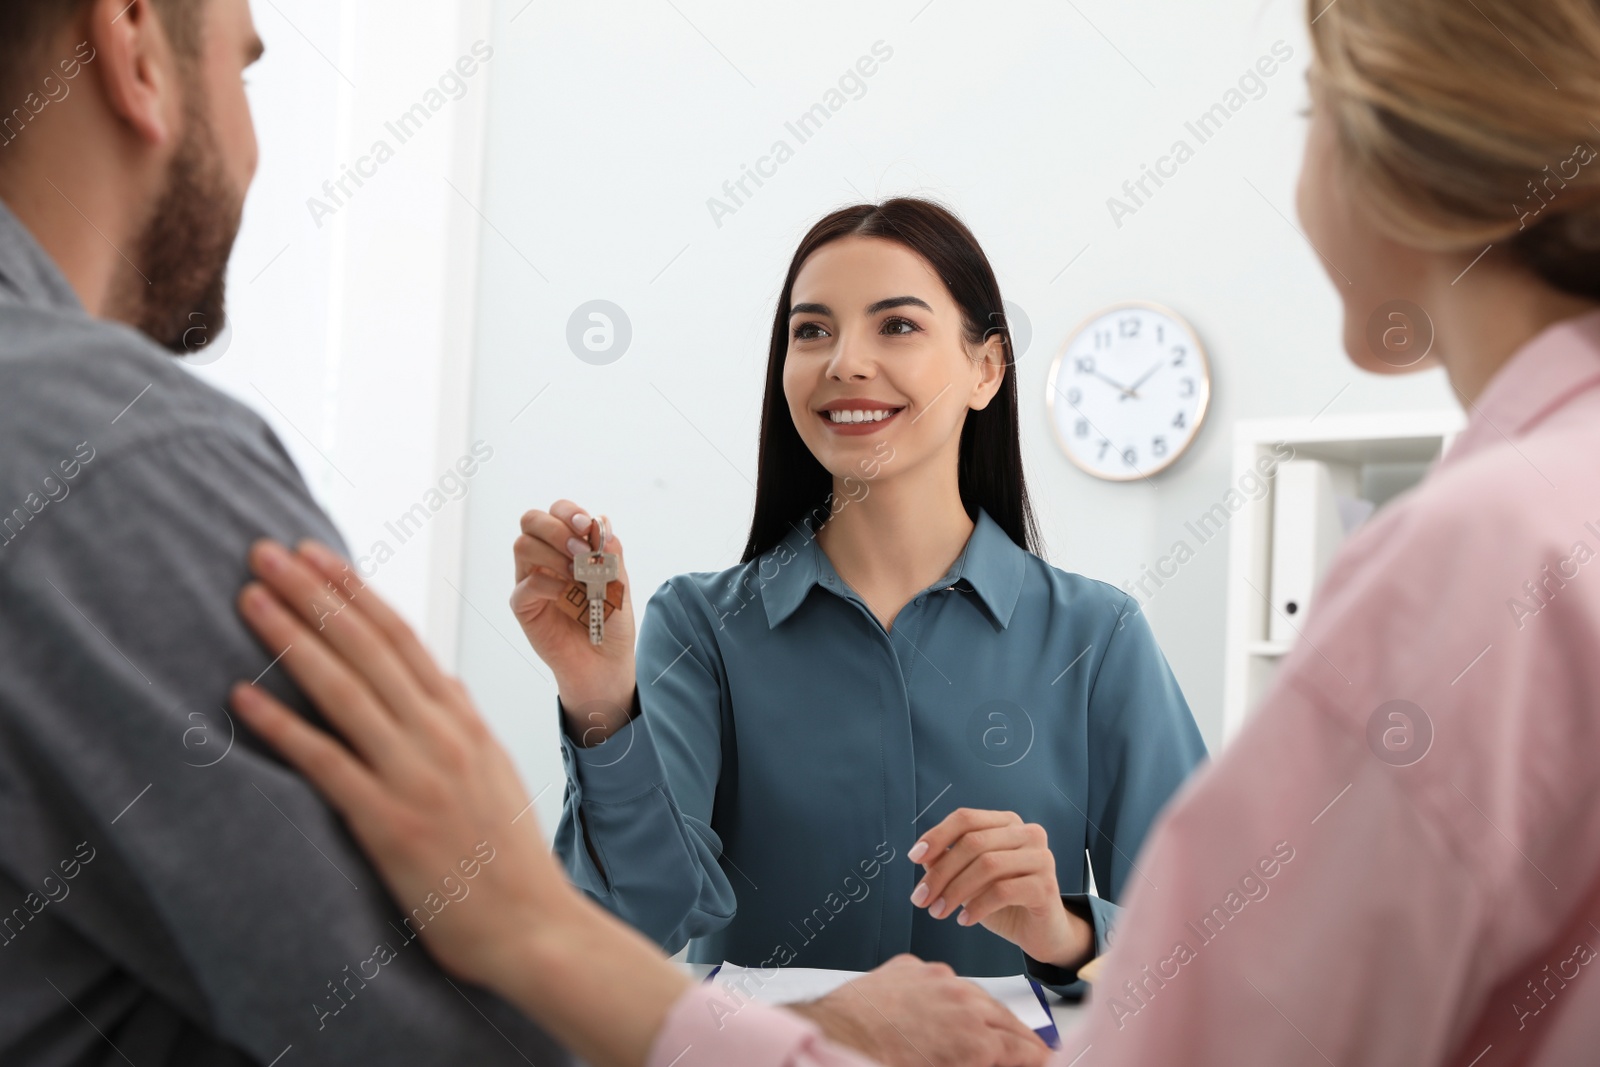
pixel 1128 392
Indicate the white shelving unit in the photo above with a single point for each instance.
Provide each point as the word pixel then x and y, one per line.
pixel 1388 452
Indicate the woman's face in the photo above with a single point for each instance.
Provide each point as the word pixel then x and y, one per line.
pixel 1382 283
pixel 879 376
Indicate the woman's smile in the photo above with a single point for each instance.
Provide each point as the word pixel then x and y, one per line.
pixel 854 417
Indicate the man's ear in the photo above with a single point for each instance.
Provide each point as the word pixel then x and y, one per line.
pixel 992 370
pixel 134 61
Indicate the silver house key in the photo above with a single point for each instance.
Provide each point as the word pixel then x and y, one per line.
pixel 597 570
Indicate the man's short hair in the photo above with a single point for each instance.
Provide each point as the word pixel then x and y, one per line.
pixel 27 28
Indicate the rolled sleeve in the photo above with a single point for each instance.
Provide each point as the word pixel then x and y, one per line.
pixel 622 767
pixel 635 832
pixel 1064 982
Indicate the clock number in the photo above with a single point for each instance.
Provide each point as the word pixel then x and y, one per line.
pixel 1158 447
pixel 1178 421
pixel 1130 457
pixel 1188 387
pixel 1102 339
pixel 1074 396
pixel 1104 446
pixel 1082 428
pixel 1129 328
pixel 1085 365
pixel 1160 331
pixel 1177 360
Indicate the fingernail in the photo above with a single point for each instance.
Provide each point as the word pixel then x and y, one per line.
pixel 920 897
pixel 577 547
pixel 273 558
pixel 963 919
pixel 937 911
pixel 320 554
pixel 580 522
pixel 918 850
pixel 255 599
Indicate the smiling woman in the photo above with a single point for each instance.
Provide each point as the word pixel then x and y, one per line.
pixel 720 787
pixel 926 249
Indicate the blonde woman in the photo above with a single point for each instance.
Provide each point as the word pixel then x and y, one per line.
pixel 1398 860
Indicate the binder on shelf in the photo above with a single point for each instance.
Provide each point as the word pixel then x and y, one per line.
pixel 1306 532
pixel 1383 453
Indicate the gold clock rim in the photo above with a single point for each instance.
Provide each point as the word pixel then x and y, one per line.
pixel 1200 413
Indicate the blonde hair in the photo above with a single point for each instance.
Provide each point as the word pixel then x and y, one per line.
pixel 1469 123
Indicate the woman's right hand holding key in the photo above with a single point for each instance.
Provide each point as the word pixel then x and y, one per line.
pixel 596 682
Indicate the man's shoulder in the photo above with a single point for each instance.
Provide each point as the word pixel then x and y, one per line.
pixel 80 391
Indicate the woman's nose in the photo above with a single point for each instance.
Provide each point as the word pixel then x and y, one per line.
pixel 850 360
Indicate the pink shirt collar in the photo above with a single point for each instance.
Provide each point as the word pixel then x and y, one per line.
pixel 1557 364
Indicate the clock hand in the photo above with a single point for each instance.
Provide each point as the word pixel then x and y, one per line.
pixel 1133 390
pixel 1123 389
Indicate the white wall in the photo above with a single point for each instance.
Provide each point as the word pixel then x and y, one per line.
pixel 351 326
pixel 610 127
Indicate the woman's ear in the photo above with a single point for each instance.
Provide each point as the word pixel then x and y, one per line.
pixel 990 362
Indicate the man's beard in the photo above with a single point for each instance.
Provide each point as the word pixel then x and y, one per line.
pixel 183 251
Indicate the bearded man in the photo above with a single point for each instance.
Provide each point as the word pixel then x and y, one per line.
pixel 169 893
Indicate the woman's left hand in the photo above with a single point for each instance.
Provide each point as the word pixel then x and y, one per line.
pixel 1000 873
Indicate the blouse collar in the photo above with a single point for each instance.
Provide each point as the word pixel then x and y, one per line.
pixel 991 565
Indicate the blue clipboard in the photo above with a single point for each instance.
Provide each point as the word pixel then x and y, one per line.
pixel 1048 1034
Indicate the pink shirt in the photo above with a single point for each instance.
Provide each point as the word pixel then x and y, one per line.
pixel 1398 860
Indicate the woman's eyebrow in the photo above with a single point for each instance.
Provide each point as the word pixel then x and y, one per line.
pixel 898 302
pixel 872 309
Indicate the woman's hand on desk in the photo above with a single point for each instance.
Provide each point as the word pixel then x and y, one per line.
pixel 991 868
pixel 596 682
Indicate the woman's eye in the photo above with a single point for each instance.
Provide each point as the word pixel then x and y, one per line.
pixel 809 331
pixel 899 326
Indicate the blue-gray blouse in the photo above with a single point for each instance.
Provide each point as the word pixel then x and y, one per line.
pixel 788 751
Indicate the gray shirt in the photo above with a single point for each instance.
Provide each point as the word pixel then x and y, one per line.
pixel 170 892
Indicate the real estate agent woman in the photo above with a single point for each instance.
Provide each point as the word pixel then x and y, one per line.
pixel 891 654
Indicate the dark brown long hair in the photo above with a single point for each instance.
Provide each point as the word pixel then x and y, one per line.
pixel 791 485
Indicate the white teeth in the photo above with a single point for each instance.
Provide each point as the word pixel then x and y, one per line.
pixel 859 416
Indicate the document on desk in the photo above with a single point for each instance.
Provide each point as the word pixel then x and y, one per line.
pixel 786 985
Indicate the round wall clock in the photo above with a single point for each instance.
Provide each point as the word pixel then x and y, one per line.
pixel 1128 391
